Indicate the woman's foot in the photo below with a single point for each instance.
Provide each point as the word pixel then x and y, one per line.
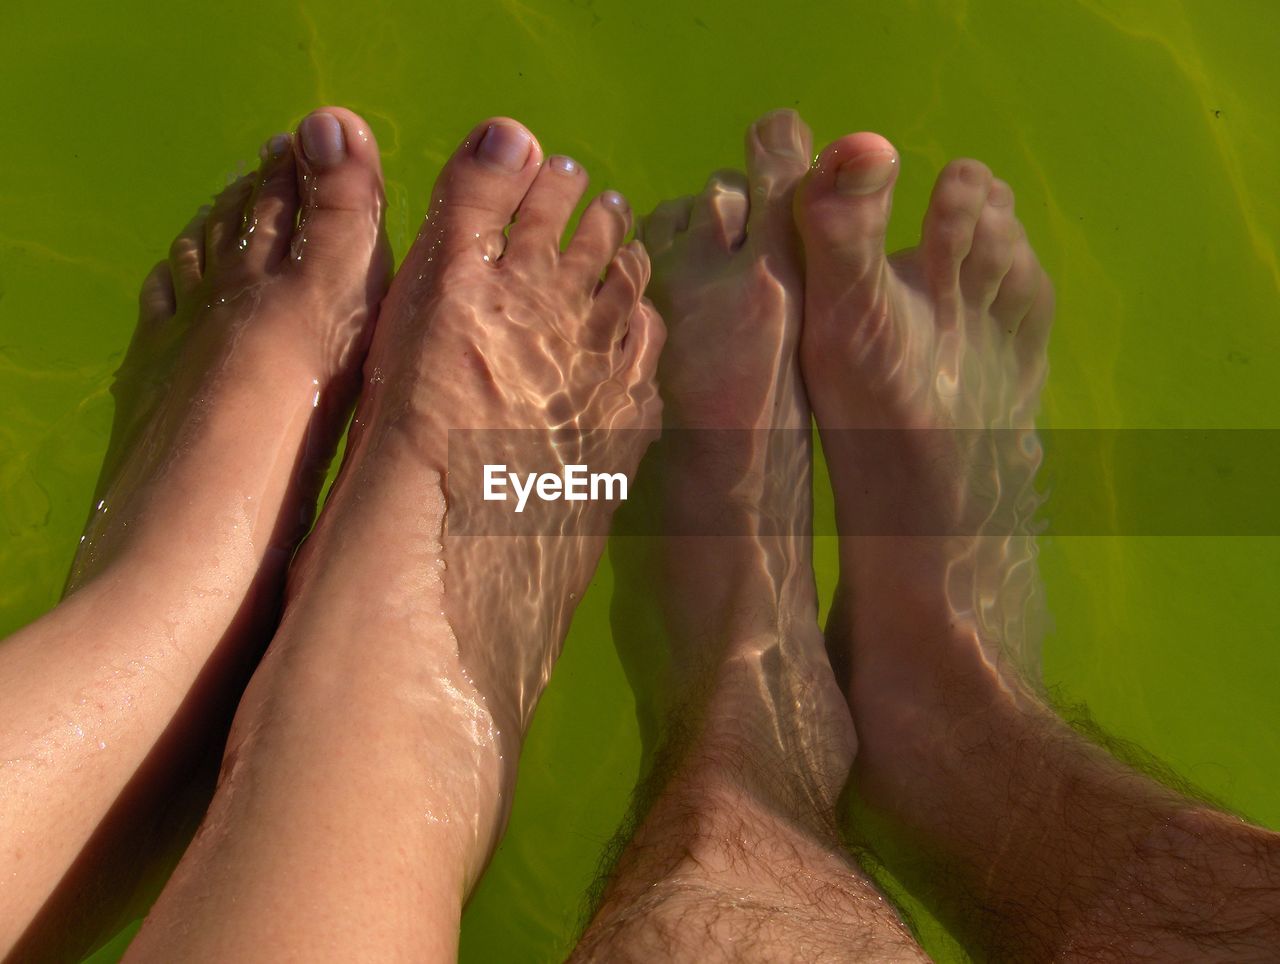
pixel 370 766
pixel 924 369
pixel 244 364
pixel 233 392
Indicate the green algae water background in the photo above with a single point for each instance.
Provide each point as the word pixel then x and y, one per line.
pixel 1140 137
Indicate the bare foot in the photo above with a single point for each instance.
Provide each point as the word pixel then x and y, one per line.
pixel 729 485
pixel 234 390
pixel 715 613
pixel 245 363
pixel 523 347
pixel 925 371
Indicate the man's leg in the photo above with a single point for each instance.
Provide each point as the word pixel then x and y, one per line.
pixel 736 854
pixel 238 382
pixel 371 763
pixel 925 372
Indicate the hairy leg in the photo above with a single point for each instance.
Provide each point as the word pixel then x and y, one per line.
pixel 925 371
pixel 236 386
pixel 370 766
pixel 736 853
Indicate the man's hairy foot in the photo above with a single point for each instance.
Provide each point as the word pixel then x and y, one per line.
pixel 925 370
pixel 244 364
pixel 488 326
pixel 728 487
pixel 715 615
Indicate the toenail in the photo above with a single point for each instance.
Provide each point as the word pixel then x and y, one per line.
pixel 865 173
pixel 777 132
pixel 322 139
pixel 505 146
pixel 565 165
pixel 615 200
pixel 278 145
pixel 972 173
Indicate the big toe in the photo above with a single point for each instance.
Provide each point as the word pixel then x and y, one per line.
pixel 778 148
pixel 479 191
pixel 843 207
pixel 340 197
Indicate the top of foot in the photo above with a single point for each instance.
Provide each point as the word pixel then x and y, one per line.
pixel 244 362
pixel 951 333
pixel 494 346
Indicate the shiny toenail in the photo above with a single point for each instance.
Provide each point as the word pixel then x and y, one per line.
pixel 322 139
pixel 615 200
pixel 565 165
pixel 277 146
pixel 865 173
pixel 506 146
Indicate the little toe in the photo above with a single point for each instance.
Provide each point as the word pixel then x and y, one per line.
pixel 658 229
pixel 545 211
pixel 617 297
pixel 641 349
pixel 340 192
pixel 843 207
pixel 272 213
pixel 186 255
pixel 604 224
pixel 778 148
pixel 478 192
pixel 958 199
pixel 1018 288
pixel 157 300
pixel 1033 334
pixel 719 213
pixel 991 254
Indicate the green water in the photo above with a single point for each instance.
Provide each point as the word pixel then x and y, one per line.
pixel 1140 136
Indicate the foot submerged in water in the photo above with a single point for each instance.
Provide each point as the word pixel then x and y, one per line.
pixel 489 330
pixel 244 363
pixel 716 613
pixel 924 369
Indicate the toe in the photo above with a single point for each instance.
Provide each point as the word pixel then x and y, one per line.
pixel 339 187
pixel 719 214
pixel 603 226
pixel 1018 288
pixel 223 229
pixel 272 213
pixel 640 352
pixel 186 255
pixel 545 211
pixel 617 298
pixel 478 192
pixel 843 207
pixel 958 199
pixel 157 301
pixel 778 149
pixel 991 254
pixel 1033 333
pixel 658 230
